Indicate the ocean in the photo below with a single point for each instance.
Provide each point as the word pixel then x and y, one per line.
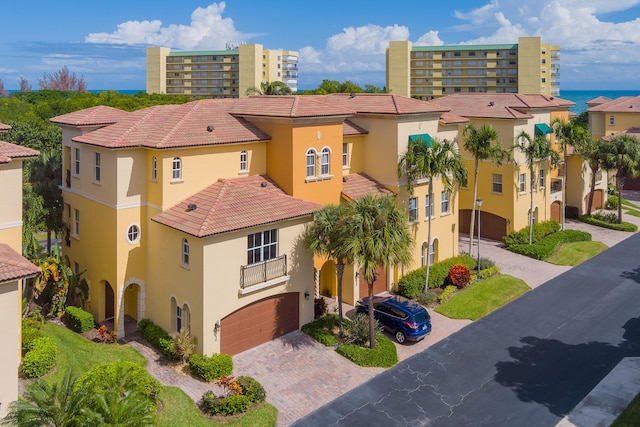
pixel 580 97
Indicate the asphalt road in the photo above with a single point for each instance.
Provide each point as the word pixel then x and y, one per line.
pixel 527 364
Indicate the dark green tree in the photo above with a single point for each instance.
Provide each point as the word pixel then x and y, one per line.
pixel 269 88
pixel 622 154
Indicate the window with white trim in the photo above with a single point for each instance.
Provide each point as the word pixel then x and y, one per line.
pixel 413 209
pixel 542 178
pixel 496 183
pixel 432 252
pixel 523 180
pixel 178 318
pixel 324 161
pixel 76 160
pixel 262 246
pixel 154 168
pixel 243 160
pixel 133 233
pixel 345 154
pixel 311 163
pixel 185 252
pixel 176 168
pixel 445 202
pixel 97 167
pixel 76 222
pixel 428 203
pixel 612 120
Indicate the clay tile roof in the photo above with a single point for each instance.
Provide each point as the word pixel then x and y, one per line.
pixel 358 185
pixel 349 129
pixel 93 116
pixel 287 106
pixel 633 132
pixel 9 151
pixel 4 127
pixel 450 119
pixel 234 204
pixel 624 104
pixel 382 103
pixel 14 266
pixel 597 101
pixel 197 123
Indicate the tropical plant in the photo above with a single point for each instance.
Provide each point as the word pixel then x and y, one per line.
pixel 378 236
pixel 535 150
pixel 430 160
pixel 622 154
pixel 269 88
pixel 184 345
pixel 56 276
pixel 483 144
pixel 591 150
pixel 45 177
pixel 63 80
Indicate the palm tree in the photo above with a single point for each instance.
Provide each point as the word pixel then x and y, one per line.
pixel 269 88
pixel 326 237
pixel 567 134
pixel 424 161
pixel 45 177
pixel 483 145
pixel 591 150
pixel 378 235
pixel 622 153
pixel 534 151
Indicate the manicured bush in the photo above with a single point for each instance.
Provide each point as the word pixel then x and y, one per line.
pixel 358 328
pixel 251 388
pixel 101 378
pixel 319 307
pixel 158 337
pixel 412 284
pixel 211 368
pixel 78 319
pixel 539 231
pixel 489 272
pixel 459 276
pixel 429 300
pixel 40 358
pixel 322 329
pixel 547 246
pixel 612 202
pixel 385 355
pixel 623 226
pixel 609 217
pixel 29 334
pixel 224 405
pixel 447 293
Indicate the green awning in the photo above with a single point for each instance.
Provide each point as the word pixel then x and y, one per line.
pixel 542 129
pixel 424 137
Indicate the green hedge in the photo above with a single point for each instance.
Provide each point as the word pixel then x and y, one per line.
pixel 624 226
pixel 211 368
pixel 78 319
pixel 539 231
pixel 447 293
pixel 101 378
pixel 251 388
pixel 385 355
pixel 224 405
pixel 321 329
pixel 29 334
pixel 412 284
pixel 547 246
pixel 40 358
pixel 158 337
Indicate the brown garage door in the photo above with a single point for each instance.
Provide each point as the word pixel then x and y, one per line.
pixel 380 284
pixel 631 183
pixel 598 201
pixel 491 226
pixel 556 211
pixel 259 322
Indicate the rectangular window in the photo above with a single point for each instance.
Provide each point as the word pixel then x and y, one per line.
pixel 76 268
pixel 76 160
pixel 523 180
pixel 432 253
pixel 178 318
pixel 324 162
pixel 311 163
pixel 76 222
pixel 428 203
pixel 445 202
pixel 176 168
pixel 154 168
pixel 612 121
pixel 541 178
pixel 185 252
pixel 345 154
pixel 413 209
pixel 97 175
pixel 496 183
pixel 243 160
pixel 262 246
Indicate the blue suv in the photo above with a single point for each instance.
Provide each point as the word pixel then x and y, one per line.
pixel 405 319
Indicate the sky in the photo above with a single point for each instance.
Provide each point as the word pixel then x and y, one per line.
pixel 106 41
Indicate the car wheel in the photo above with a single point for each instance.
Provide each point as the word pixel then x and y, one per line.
pixel 400 337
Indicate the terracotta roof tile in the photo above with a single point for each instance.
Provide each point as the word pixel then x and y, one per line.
pixel 14 266
pixel 198 123
pixel 9 151
pixel 624 104
pixel 4 127
pixel 287 106
pixel 234 204
pixel 382 103
pixel 358 185
pixel 450 119
pixel 633 132
pixel 93 116
pixel 349 129
pixel 597 101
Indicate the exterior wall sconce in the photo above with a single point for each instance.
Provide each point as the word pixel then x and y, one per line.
pixel 216 327
pixel 306 294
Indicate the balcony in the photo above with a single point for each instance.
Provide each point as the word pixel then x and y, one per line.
pixel 556 185
pixel 263 272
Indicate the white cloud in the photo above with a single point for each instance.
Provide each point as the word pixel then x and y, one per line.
pixel 430 38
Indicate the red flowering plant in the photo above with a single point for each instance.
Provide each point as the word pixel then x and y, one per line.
pixel 459 276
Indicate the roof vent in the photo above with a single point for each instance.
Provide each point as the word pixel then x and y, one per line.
pixel 191 207
pixel 490 103
pixel 353 95
pixel 630 106
pixel 263 184
pixel 210 128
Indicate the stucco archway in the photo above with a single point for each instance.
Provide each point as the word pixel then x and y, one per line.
pixel 139 302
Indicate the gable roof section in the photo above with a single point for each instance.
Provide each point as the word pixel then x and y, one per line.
pixel 294 106
pixel 357 185
pixel 382 103
pixel 350 129
pixel 597 101
pixel 234 204
pixel 14 266
pixel 93 116
pixel 633 132
pixel 9 151
pixel 452 119
pixel 197 123
pixel 624 104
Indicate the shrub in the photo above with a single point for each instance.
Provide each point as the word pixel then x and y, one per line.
pixel 319 307
pixel 485 263
pixel 429 299
pixel 489 272
pixel 612 202
pixel 251 388
pixel 609 217
pixel 29 334
pixel 411 285
pixel 623 226
pixel 101 378
pixel 546 247
pixel 321 329
pixel 447 293
pixel 40 357
pixel 78 319
pixel 539 231
pixel 385 355
pixel 224 405
pixel 183 345
pixel 158 337
pixel 211 368
pixel 459 276
pixel 358 328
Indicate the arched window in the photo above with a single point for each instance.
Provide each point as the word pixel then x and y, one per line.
pixel 186 317
pixel 185 252
pixel 324 161
pixel 177 168
pixel 311 162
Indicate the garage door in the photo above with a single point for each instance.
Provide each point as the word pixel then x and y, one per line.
pixel 631 183
pixel 491 226
pixel 598 201
pixel 380 284
pixel 556 211
pixel 259 322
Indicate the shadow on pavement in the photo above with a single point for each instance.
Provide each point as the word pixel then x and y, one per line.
pixel 559 375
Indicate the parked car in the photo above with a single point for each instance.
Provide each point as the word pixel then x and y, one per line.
pixel 405 319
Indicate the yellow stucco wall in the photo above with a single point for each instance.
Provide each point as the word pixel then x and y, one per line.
pixel 600 123
pixel 250 67
pixel 398 62
pixel 10 339
pixel 11 211
pixel 529 65
pixel 157 69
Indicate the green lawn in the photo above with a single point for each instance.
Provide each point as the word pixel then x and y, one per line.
pixel 630 417
pixel 576 252
pixel 481 298
pixel 630 208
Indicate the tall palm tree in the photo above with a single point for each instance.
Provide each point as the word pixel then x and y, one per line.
pixel 269 88
pixel 326 237
pixel 567 134
pixel 622 154
pixel 483 144
pixel 45 176
pixel 591 150
pixel 378 235
pixel 535 150
pixel 423 161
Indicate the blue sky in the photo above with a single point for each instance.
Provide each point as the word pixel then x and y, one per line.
pixel 105 41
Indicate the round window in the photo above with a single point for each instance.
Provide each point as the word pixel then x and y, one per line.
pixel 133 233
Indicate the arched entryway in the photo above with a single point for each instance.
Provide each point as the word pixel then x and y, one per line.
pixel 328 279
pixel 131 306
pixel 556 211
pixel 109 301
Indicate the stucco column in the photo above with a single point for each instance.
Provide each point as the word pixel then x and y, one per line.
pixel 316 283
